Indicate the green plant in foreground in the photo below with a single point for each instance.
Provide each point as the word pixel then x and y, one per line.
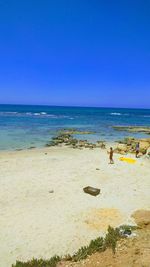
pixel 94 246
pixel 111 238
pixel 39 263
pixel 97 245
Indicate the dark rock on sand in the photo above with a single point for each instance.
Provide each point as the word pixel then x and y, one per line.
pixel 100 144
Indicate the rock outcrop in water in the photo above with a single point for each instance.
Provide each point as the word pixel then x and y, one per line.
pixel 65 138
pixel 75 131
pixel 135 129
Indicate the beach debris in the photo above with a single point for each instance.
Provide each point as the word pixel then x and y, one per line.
pixel 51 191
pixel 127 231
pixel 91 190
pixel 97 169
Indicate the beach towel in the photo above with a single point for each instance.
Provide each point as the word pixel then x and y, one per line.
pixel 128 160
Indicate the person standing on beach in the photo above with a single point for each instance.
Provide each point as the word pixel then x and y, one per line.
pixel 137 149
pixel 111 153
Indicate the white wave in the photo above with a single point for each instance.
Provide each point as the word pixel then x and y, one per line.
pixel 52 116
pixel 59 116
pixel 43 114
pixel 36 114
pixel 33 114
pixel 8 112
pixel 115 113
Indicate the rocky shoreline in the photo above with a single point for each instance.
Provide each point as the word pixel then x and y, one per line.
pixel 123 147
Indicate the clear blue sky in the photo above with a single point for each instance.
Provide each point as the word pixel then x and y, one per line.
pixel 75 52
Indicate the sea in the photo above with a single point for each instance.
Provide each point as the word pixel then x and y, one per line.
pixel 26 126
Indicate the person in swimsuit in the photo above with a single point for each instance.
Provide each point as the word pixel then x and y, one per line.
pixel 137 149
pixel 111 153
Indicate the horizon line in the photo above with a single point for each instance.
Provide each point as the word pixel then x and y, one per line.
pixel 70 106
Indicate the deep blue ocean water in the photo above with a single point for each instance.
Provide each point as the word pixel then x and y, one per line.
pixel 25 126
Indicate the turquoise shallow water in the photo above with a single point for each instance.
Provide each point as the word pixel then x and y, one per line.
pixel 25 126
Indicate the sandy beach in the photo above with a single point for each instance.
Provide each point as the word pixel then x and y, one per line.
pixel 43 209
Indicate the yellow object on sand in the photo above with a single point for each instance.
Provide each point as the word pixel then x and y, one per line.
pixel 129 160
